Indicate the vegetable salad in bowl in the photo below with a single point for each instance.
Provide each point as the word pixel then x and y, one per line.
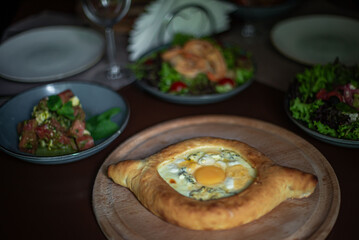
pixel 195 66
pixel 325 99
pixel 58 126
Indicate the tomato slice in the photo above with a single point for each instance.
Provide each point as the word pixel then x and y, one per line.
pixel 149 61
pixel 45 131
pixel 177 86
pixel 85 142
pixel 77 128
pixel 29 125
pixel 225 81
pixel 66 95
pixel 28 142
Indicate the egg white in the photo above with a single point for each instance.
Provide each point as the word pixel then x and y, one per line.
pixel 179 173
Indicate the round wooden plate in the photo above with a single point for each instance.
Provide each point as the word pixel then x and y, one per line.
pixel 121 216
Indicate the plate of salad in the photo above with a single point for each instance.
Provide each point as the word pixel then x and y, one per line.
pixel 194 70
pixel 61 122
pixel 324 102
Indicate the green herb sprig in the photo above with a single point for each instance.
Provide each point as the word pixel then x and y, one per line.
pixel 55 104
pixel 101 126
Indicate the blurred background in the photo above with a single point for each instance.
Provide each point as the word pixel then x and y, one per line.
pixel 17 10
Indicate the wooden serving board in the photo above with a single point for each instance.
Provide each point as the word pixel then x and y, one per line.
pixel 121 216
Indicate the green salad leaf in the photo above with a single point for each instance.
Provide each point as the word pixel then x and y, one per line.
pixel 162 75
pixel 324 129
pixel 345 108
pixel 67 110
pixel 199 85
pixel 242 75
pixel 55 104
pixel 168 75
pixel 230 56
pixel 101 126
pixel 349 131
pixel 336 112
pixel 303 111
pixel 180 39
pixel 312 80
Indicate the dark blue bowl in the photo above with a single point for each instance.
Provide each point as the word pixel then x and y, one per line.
pixel 94 99
pixel 259 13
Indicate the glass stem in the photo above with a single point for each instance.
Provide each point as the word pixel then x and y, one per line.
pixel 114 69
pixel 248 30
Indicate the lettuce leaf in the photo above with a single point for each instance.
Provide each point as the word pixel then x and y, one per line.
pixel 349 131
pixel 314 79
pixel 328 117
pixel 168 76
pixel 303 111
pixel 100 126
pixel 324 129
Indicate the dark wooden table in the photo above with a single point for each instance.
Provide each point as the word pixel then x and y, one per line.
pixel 55 202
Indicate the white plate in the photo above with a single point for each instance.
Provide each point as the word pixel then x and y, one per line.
pixel 50 53
pixel 318 39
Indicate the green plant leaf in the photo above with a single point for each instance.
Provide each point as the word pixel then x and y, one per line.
pixel 101 126
pixel 67 110
pixel 54 102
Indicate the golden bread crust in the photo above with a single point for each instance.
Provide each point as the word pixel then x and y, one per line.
pixel 273 185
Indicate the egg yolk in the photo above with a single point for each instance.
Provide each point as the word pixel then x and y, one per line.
pixel 209 175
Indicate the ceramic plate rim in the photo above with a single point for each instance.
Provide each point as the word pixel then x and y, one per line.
pixel 194 100
pixel 261 12
pixel 55 76
pixel 294 20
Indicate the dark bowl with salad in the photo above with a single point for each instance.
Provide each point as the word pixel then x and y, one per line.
pixel 324 102
pixel 61 122
pixel 193 70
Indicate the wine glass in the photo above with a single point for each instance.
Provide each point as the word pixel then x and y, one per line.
pixel 107 13
pixel 258 16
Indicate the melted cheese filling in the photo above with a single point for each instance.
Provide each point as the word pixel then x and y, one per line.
pixel 208 174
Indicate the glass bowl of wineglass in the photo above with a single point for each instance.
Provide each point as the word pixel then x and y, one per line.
pixel 107 13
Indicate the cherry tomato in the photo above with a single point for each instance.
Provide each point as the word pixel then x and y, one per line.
pixel 149 61
pixel 177 86
pixel 225 81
